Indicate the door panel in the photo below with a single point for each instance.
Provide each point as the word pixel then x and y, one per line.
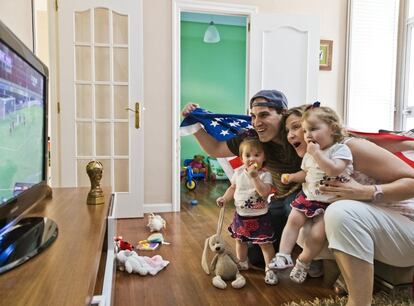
pixel 284 55
pixel 96 88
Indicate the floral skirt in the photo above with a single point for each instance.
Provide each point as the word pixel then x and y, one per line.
pixel 257 229
pixel 308 207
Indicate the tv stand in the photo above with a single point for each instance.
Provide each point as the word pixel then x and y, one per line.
pixel 65 273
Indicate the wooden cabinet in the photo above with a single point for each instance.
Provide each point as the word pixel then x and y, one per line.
pixel 65 273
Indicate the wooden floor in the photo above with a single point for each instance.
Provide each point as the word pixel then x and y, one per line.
pixel 183 282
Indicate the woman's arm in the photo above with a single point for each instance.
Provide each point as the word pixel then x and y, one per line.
pixel 377 162
pixel 395 176
pixel 398 190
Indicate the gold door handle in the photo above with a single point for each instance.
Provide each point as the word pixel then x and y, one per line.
pixel 137 114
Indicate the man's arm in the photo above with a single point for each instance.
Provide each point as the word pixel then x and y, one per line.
pixel 212 146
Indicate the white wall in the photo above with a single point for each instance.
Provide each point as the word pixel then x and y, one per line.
pixel 17 15
pixel 158 86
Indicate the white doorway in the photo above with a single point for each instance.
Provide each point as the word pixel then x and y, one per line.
pixel 282 53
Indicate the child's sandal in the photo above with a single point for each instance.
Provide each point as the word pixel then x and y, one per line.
pixel 299 272
pixel 281 261
pixel 271 277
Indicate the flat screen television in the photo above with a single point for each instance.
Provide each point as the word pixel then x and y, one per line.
pixel 23 152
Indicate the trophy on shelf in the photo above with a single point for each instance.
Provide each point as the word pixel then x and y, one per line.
pixel 94 170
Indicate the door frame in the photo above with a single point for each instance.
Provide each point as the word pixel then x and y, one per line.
pixel 180 6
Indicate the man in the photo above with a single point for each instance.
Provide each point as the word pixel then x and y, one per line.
pixel 266 109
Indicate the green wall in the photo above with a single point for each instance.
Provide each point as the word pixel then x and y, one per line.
pixel 212 75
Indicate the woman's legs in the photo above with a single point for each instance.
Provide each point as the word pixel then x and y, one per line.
pixel 314 242
pixel 358 232
pixel 359 278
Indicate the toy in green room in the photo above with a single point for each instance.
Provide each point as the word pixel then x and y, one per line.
pixel 194 169
pixel 215 170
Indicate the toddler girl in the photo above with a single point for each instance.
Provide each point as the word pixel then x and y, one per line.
pixel 325 159
pixel 250 186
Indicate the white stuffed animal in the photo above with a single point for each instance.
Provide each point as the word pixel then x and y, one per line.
pixel 155 223
pixel 131 262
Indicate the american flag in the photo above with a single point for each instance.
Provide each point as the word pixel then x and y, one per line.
pixel 222 127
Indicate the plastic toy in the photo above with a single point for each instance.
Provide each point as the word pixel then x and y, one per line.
pixel 156 223
pixel 194 169
pixel 224 263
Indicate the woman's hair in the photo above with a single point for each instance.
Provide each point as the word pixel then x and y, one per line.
pixel 329 116
pixel 250 142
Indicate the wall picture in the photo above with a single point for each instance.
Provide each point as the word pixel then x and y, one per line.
pixel 325 55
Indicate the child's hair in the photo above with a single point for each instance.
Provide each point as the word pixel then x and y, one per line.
pixel 250 142
pixel 329 116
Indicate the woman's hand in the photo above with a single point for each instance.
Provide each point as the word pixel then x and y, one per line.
pixel 351 190
pixel 188 109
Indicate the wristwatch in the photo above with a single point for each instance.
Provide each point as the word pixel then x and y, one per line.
pixel 378 194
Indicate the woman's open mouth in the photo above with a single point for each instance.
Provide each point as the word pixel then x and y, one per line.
pixel 296 144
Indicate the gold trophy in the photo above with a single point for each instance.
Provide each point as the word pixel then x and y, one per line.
pixel 94 170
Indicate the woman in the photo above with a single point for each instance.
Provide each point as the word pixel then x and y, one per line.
pixel 368 221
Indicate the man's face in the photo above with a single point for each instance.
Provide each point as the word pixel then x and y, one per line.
pixel 266 121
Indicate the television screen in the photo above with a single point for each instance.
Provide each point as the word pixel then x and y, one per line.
pixel 23 153
pixel 21 125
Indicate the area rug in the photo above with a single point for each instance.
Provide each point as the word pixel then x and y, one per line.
pixel 381 298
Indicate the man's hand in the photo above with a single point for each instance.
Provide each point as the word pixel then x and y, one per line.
pixel 189 108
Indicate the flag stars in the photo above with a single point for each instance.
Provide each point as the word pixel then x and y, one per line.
pixel 224 132
pixel 234 123
pixel 214 123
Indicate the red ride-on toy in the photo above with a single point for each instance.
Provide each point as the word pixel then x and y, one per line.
pixel 193 170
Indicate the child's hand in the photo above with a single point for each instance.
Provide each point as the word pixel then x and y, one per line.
pixel 221 201
pixel 312 148
pixel 285 178
pixel 252 170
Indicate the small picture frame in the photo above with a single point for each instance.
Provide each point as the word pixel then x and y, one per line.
pixel 325 55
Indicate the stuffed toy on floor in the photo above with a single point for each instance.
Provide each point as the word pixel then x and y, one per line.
pixel 224 263
pixel 156 223
pixel 131 262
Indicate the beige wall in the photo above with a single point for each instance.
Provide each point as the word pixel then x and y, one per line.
pixel 17 15
pixel 158 83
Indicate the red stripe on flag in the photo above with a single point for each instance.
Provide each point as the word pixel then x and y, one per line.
pixel 235 162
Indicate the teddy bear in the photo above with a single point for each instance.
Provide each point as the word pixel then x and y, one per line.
pixel 224 263
pixel 198 165
pixel 156 223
